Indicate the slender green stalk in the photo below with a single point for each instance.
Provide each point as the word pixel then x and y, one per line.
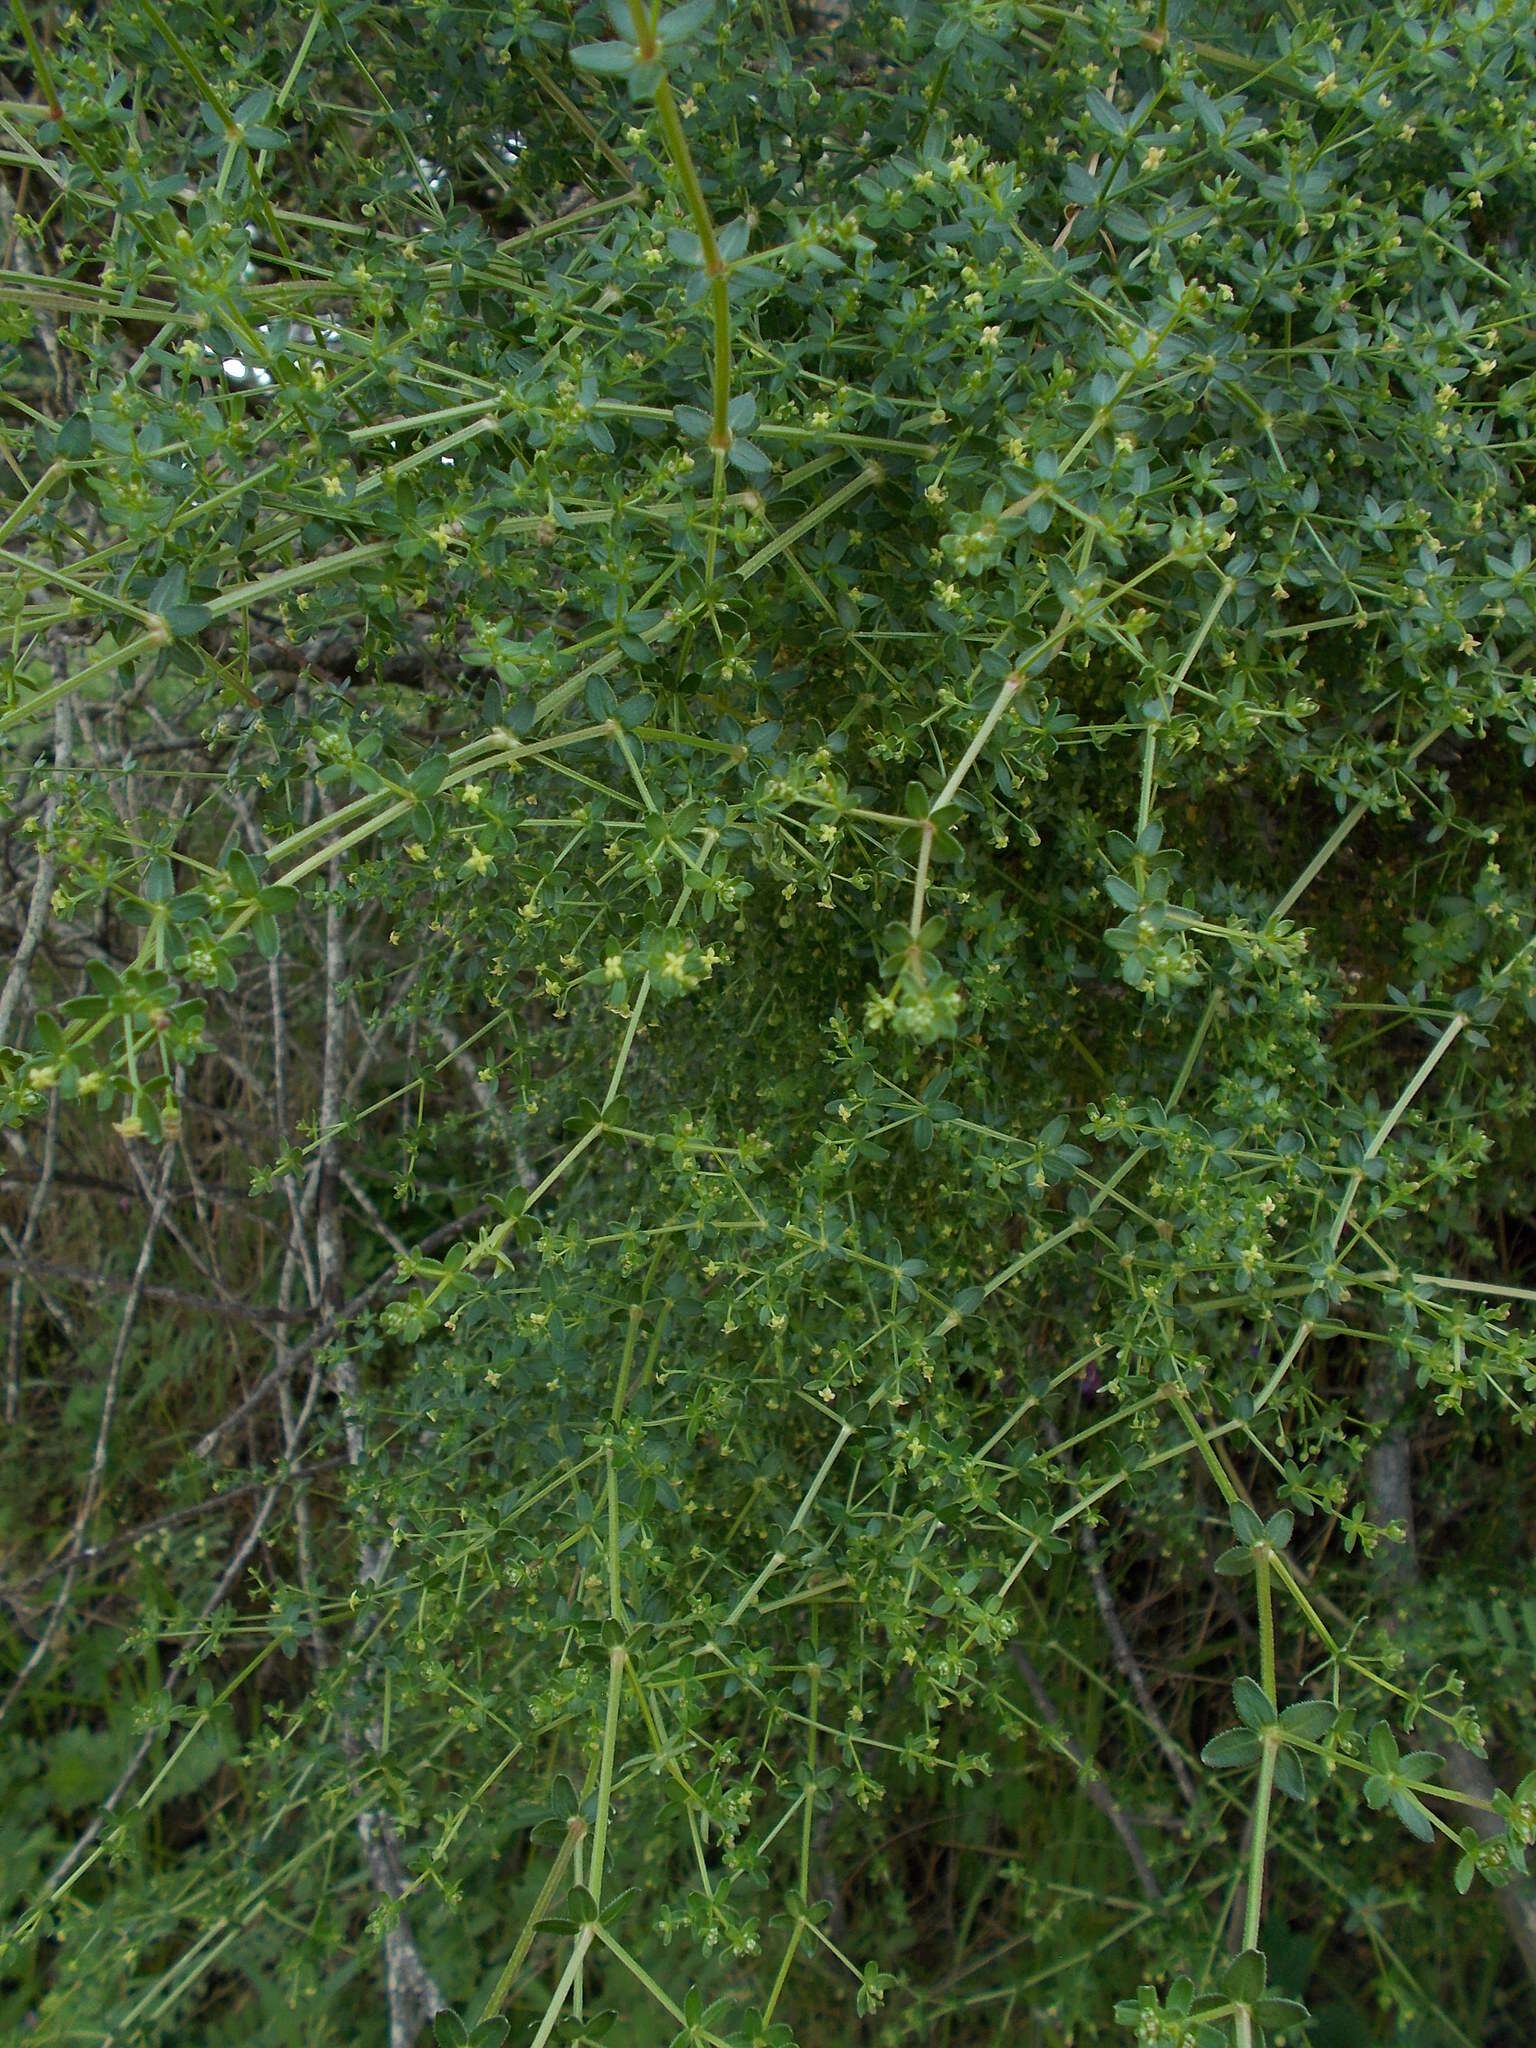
pixel 23 508
pixel 715 267
pixel 1009 689
pixel 626 1361
pixel 618 1657
pixel 40 63
pixel 562 1991
pixel 808 1817
pixel 194 70
pixel 549 1891
pixel 1266 1625
pixel 1254 1904
pixel 1198 1437
pixel 786 1964
pixel 1149 751
pixel 845 1430
pixel 643 1977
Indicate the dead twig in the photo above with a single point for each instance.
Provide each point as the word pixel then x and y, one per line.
pixel 91 1492
pixel 234 1566
pixel 1389 1491
pixel 180 1297
pixel 1120 1643
pixel 382 1283
pixel 410 1990
pixel 23 1247
pixel 1089 1777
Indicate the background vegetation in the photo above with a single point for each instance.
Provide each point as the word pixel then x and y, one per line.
pixel 768 1096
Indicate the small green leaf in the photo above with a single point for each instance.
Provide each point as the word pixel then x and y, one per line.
pixel 426 779
pixel 1278 2015
pixel 606 60
pixel 695 423
pixel 746 456
pixel 1231 1749
pixel 1255 1708
pixel 1289 1776
pixel 237 865
pixel 1412 1815
pixel 1310 1719
pixel 1244 1978
pixel 617 1904
pixel 74 438
pixel 1420 1766
pixel 187 620
pixel 679 23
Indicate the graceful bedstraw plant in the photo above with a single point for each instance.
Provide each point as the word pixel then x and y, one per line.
pixel 767 1053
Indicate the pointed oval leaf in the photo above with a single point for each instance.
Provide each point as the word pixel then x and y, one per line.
pixel 1244 1978
pixel 607 60
pixel 1289 1775
pixel 1310 1719
pixel 1413 1816
pixel 1235 1563
pixel 1255 1708
pixel 679 23
pixel 1229 1750
pixel 1276 2013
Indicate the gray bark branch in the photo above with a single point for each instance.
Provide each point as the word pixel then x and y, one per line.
pixel 1389 1491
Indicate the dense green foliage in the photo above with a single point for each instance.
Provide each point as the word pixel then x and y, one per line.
pixel 768 1079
